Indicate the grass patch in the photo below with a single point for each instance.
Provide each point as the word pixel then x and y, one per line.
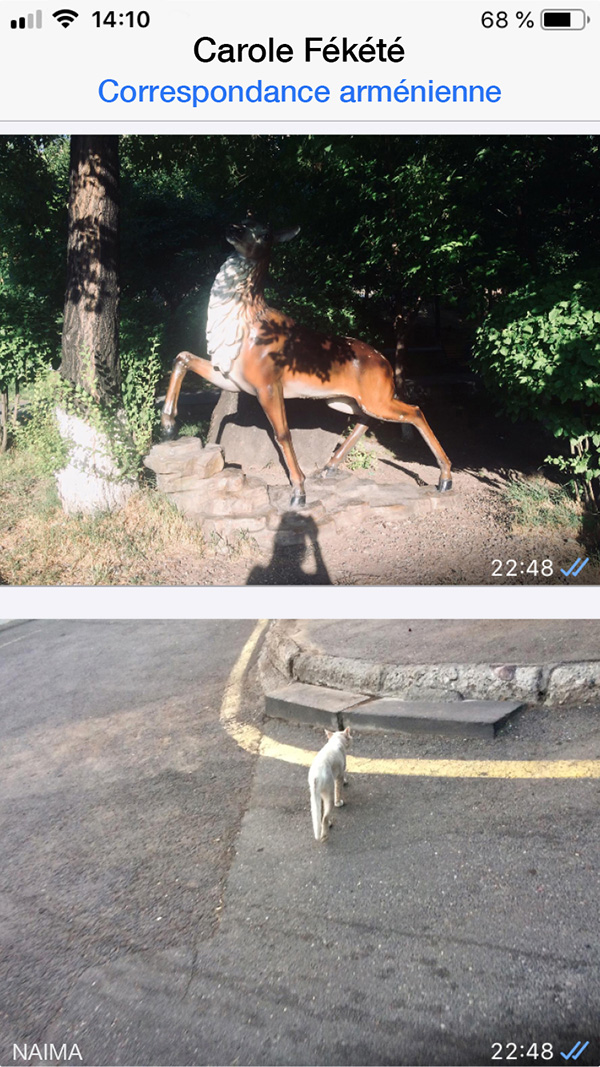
pixel 199 428
pixel 536 503
pixel 147 542
pixel 360 458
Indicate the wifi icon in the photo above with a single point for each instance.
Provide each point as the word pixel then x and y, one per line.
pixel 65 16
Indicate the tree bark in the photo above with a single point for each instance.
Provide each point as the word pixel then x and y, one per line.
pixel 90 339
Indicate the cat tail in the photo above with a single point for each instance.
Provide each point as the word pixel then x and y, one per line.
pixel 315 808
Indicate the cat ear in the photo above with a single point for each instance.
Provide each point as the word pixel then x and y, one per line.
pixel 329 734
pixel 347 732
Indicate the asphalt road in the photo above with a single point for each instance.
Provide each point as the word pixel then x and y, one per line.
pixel 162 900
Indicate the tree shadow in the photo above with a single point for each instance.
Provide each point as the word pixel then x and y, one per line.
pixel 296 539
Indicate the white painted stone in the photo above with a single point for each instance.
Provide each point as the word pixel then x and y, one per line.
pixel 91 482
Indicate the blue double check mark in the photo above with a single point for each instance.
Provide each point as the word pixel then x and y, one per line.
pixel 576 1051
pixel 572 573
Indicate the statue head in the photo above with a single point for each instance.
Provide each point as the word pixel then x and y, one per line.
pixel 254 240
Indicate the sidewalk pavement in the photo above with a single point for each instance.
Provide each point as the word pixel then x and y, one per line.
pixel 530 661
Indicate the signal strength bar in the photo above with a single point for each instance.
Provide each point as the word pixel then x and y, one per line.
pixel 27 23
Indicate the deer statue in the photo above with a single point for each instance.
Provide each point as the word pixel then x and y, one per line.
pixel 257 350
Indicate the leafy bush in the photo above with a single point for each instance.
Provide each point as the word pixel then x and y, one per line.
pixel 538 352
pixel 38 432
pixel 33 184
pixel 141 373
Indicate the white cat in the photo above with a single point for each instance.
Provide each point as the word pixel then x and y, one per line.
pixel 325 779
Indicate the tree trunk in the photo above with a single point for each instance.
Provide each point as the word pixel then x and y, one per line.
pixel 90 340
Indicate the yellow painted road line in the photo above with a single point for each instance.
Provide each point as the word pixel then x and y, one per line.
pixel 252 740
pixel 442 768
pixel 247 736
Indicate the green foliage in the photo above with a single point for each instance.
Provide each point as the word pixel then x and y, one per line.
pixel 26 343
pixel 38 434
pixel 198 428
pixel 539 353
pixel 141 371
pixel 33 186
pixel 361 458
pixel 387 224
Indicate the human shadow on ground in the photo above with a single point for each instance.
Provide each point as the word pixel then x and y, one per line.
pixel 296 539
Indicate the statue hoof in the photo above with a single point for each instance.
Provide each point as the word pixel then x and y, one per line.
pixel 298 499
pixel 329 472
pixel 444 485
pixel 168 430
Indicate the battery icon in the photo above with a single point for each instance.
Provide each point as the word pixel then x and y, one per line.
pixel 564 19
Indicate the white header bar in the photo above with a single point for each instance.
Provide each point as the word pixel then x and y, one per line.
pixel 214 62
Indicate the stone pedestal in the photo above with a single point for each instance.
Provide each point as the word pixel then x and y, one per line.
pixel 241 428
pixel 224 501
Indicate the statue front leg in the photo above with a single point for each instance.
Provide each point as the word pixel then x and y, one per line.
pixel 271 401
pixel 169 411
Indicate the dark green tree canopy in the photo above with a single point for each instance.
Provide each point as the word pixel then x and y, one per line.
pixel 387 224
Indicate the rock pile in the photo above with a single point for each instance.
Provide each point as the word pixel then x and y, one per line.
pixel 223 500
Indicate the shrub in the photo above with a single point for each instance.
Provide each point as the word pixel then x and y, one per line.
pixel 141 373
pixel 538 352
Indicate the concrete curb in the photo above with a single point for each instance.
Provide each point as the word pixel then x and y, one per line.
pixel 288 656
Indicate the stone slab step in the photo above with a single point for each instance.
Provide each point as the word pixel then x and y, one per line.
pixel 465 718
pixel 312 704
pixel 317 705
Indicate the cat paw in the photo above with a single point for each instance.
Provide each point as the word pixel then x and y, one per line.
pixel 340 803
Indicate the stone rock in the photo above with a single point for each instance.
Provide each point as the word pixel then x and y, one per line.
pixel 400 511
pixel 381 494
pixel 297 520
pixel 232 527
pixel 461 681
pixel 335 672
pixel 574 682
pixel 170 457
pixel 177 483
pixel 242 429
pixel 232 480
pixel 349 519
pixel 224 499
pixel 91 481
pixel 176 461
pixel 210 462
pixel 227 494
